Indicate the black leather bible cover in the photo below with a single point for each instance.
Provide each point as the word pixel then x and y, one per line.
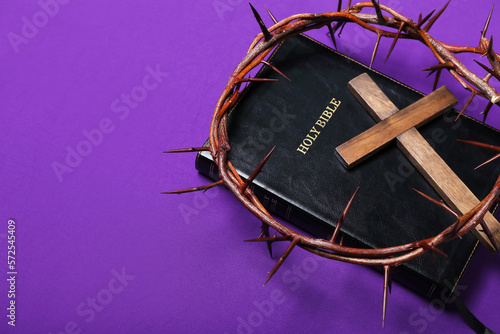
pixel 303 181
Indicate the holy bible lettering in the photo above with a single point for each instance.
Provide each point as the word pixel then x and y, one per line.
pixel 321 123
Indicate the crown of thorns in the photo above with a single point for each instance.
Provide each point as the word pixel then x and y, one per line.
pixel 399 27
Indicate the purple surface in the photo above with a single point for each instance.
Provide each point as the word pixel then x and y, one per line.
pixel 99 250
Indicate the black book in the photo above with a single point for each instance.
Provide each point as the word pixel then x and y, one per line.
pixel 305 183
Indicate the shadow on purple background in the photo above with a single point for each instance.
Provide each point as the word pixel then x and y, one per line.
pixel 91 93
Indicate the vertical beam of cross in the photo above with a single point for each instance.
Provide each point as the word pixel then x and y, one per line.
pixel 401 125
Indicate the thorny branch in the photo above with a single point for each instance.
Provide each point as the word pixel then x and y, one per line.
pixel 392 25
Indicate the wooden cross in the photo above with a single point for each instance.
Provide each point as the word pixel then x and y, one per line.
pixel 401 125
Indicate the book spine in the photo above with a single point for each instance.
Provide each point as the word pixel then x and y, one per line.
pixel 313 226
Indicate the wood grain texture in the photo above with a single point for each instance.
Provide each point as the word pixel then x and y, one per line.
pixel 367 143
pixel 435 170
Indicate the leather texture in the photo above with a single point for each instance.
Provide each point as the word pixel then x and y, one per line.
pixel 312 189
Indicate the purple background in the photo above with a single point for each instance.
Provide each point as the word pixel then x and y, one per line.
pixel 185 265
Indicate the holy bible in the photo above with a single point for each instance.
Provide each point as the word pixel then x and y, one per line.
pixel 303 182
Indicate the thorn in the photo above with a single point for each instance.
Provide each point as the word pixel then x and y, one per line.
pixel 283 257
pixel 337 26
pixel 489 235
pixel 375 48
pixel 387 284
pixel 491 147
pixel 466 105
pixel 436 80
pixel 490 52
pixel 439 66
pixel 424 19
pixel 454 231
pixel 395 40
pixel 255 79
pixel 190 149
pixel 483 32
pixel 235 92
pixel 380 17
pixel 332 35
pixel 488 161
pixel 342 25
pixel 339 7
pixel 492 57
pixel 349 5
pixel 489 70
pixel 275 69
pixel 256 171
pixel 272 239
pixel 431 22
pixel 265 233
pixel 205 187
pixel 342 217
pixel 390 281
pixel 419 18
pixel 431 249
pixel 486 111
pixel 272 16
pixel 267 34
pixel 430 73
pixel 440 203
pixel 341 242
